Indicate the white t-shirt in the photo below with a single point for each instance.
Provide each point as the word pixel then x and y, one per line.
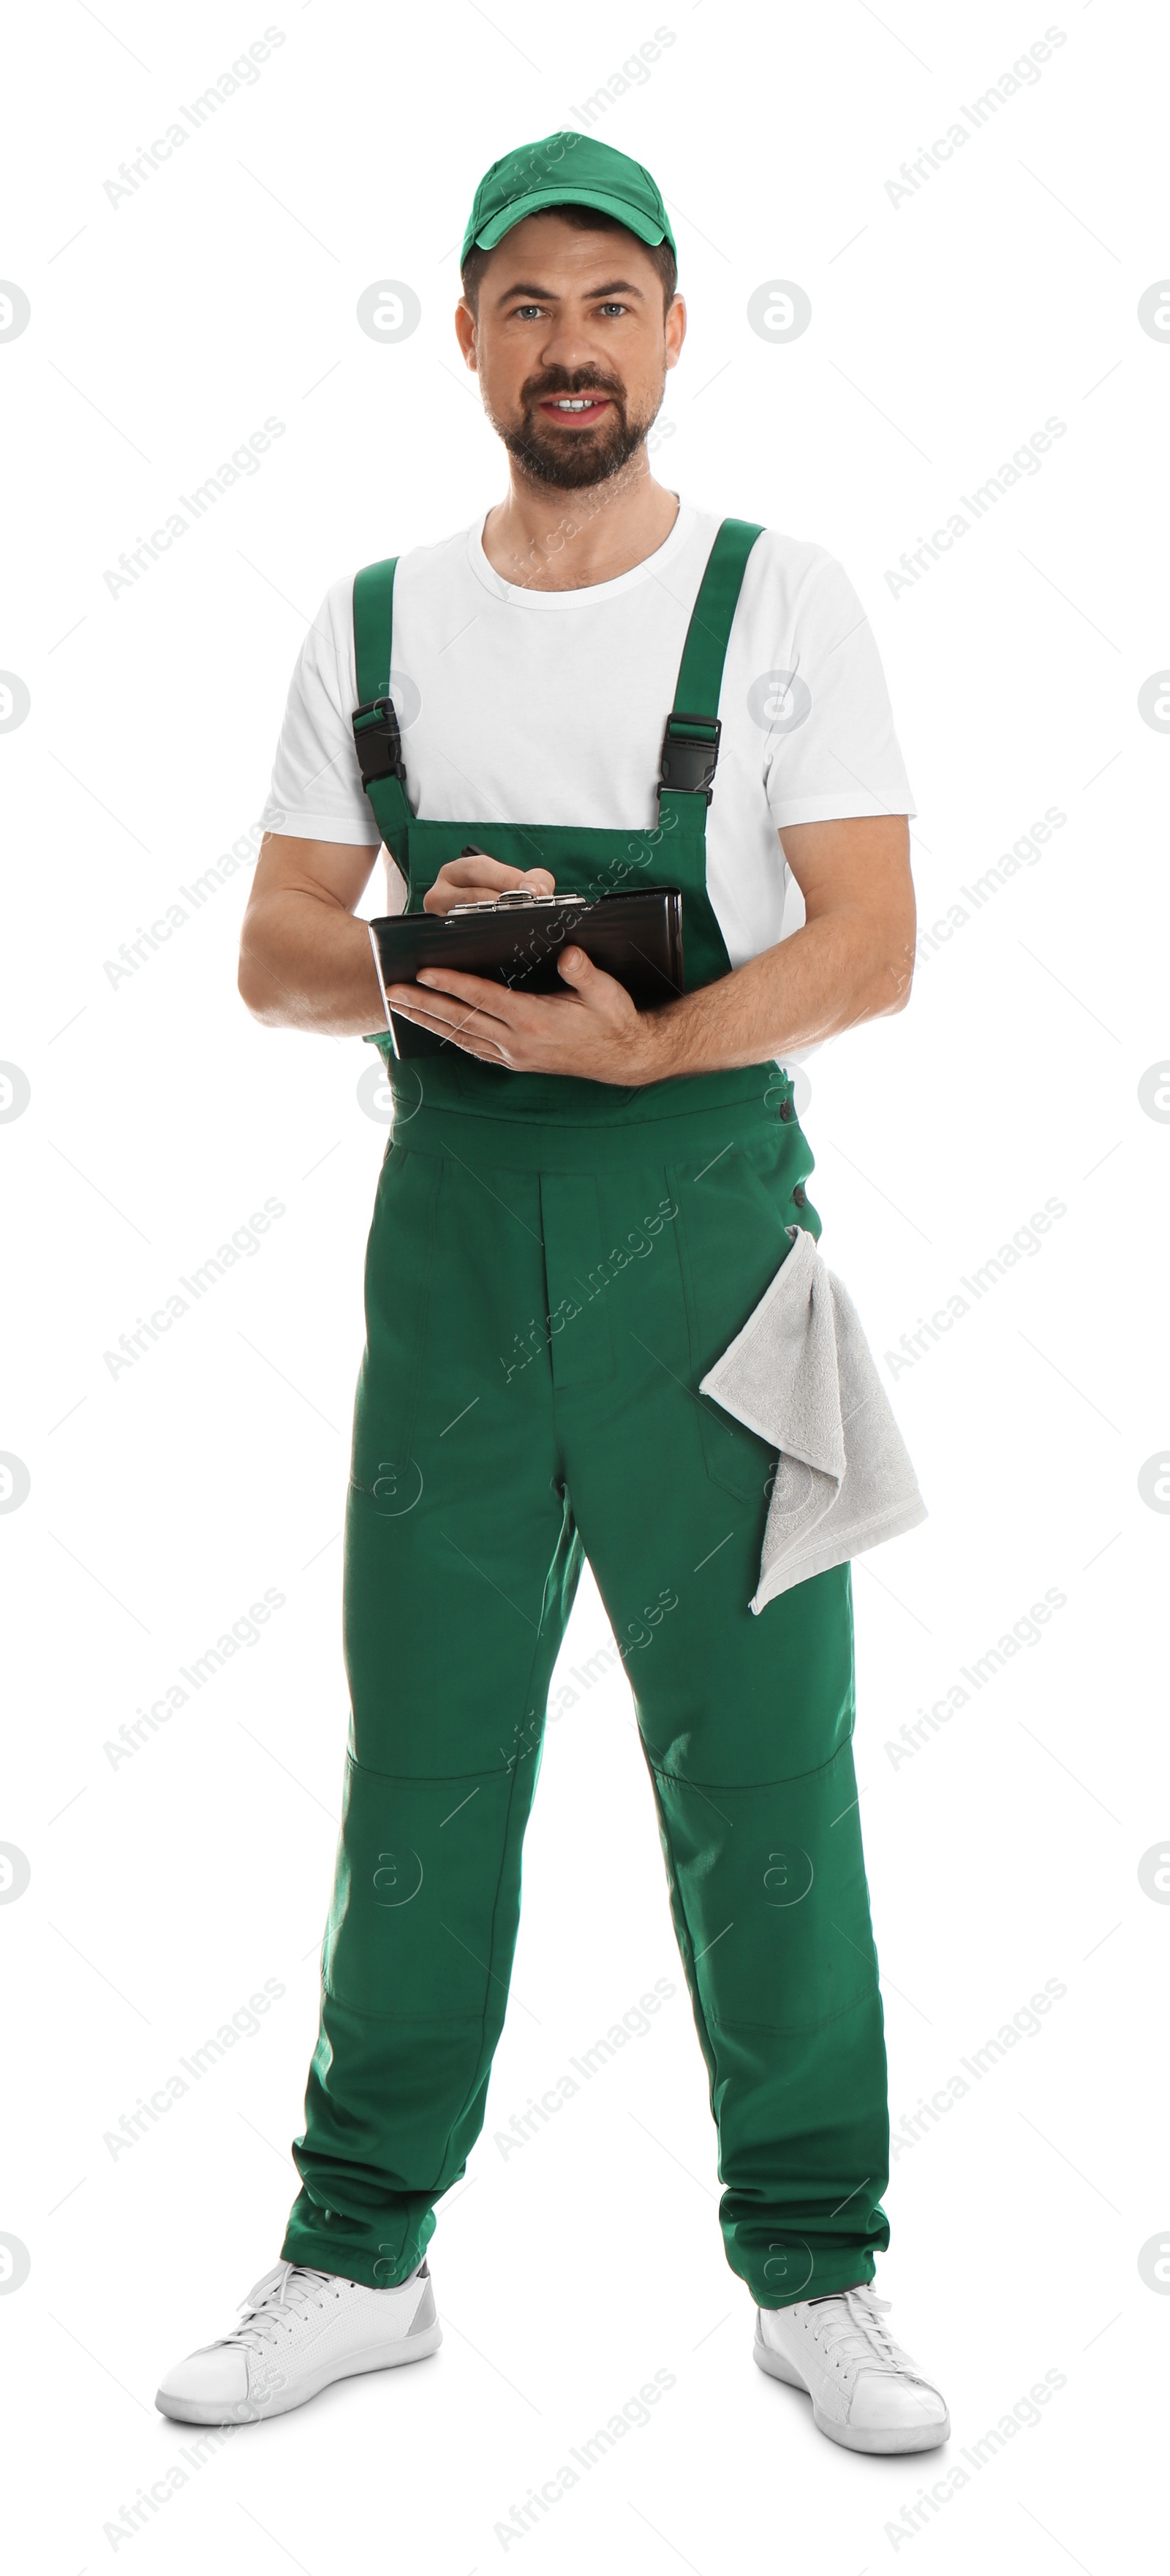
pixel 548 706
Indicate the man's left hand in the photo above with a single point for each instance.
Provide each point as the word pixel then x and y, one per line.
pixel 592 1029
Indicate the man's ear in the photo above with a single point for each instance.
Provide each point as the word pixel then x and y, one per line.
pixel 676 329
pixel 466 332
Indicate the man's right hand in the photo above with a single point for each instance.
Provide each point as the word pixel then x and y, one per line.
pixel 474 878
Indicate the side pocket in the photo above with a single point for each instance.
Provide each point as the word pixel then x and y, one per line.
pixel 400 1257
pixel 732 1240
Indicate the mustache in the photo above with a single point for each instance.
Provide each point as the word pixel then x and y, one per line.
pixel 557 380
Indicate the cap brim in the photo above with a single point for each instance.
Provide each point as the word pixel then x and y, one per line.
pixel 541 199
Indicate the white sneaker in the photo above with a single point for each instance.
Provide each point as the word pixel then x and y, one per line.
pixel 866 2392
pixel 301 2330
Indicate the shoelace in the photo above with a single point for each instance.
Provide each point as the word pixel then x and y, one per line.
pixel 859 2334
pixel 283 2295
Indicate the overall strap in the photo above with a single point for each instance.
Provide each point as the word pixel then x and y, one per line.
pixel 375 724
pixel 690 744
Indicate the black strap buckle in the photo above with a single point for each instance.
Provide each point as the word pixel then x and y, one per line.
pixel 379 743
pixel 690 752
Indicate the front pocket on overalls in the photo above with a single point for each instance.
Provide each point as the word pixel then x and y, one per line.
pixel 400 1257
pixel 732 1239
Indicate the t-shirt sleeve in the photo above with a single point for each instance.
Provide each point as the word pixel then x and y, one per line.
pixel 831 749
pixel 316 783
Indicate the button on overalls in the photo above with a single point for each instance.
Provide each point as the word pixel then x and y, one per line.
pixel 553 1264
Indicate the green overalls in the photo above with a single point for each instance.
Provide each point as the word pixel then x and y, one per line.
pixel 553 1264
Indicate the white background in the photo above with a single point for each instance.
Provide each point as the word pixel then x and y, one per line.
pixel 1004 1852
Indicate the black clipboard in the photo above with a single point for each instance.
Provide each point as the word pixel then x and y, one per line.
pixel 516 938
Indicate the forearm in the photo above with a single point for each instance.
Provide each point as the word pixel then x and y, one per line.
pixel 306 963
pixel 828 976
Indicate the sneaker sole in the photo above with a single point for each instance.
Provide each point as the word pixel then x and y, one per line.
pixel 853 2437
pixel 192 2410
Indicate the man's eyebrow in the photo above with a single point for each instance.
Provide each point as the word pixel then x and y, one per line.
pixel 545 295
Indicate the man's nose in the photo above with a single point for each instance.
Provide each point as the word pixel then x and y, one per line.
pixel 567 348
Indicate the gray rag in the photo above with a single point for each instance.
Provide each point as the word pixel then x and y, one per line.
pixel 801 1374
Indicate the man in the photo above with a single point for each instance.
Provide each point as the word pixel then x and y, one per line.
pixel 580 1205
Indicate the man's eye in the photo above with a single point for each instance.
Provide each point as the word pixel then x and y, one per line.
pixel 524 312
pixel 612 308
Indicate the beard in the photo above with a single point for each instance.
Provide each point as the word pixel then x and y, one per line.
pixel 570 460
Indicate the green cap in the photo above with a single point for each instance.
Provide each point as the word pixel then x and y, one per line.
pixel 565 170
